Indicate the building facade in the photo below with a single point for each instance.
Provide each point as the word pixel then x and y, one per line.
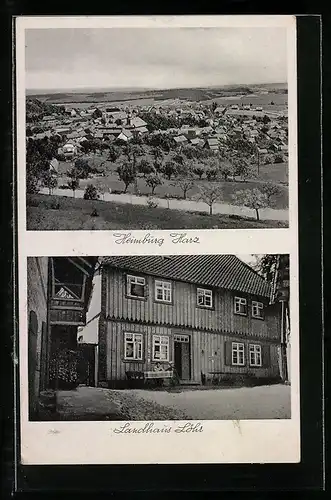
pixel 208 316
pixel 58 295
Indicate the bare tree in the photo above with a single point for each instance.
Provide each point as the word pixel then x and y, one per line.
pixel 210 194
pixel 185 184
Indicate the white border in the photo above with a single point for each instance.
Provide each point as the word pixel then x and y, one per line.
pixel 250 441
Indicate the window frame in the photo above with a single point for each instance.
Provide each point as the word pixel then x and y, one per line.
pixel 156 287
pixel 203 290
pixel 134 359
pixel 237 344
pixel 257 350
pixel 238 298
pixel 257 304
pixel 154 337
pixel 128 285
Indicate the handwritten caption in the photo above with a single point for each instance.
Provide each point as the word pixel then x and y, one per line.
pixel 153 428
pixel 150 239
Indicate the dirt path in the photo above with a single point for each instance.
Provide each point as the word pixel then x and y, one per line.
pixel 187 205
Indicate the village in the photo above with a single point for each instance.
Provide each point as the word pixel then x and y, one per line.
pixel 201 153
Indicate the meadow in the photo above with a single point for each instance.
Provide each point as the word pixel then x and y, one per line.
pixel 46 213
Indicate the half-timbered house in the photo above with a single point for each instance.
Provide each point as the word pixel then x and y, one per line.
pixel 209 316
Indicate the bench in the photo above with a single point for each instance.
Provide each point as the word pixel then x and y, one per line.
pixel 137 377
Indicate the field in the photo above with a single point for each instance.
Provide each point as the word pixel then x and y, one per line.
pixel 222 95
pixel 277 173
pixel 76 214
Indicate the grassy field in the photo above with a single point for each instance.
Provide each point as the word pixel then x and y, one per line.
pixel 277 173
pixel 75 214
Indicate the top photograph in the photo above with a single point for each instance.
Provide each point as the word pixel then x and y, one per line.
pixel 156 128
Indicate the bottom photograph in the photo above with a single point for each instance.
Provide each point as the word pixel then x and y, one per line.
pixel 178 337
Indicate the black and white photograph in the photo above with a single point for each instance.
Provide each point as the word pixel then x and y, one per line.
pixel 179 337
pixel 150 330
pixel 156 127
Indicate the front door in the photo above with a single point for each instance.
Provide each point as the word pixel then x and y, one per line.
pixel 182 356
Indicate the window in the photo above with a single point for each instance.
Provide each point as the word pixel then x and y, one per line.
pixel 133 346
pixel 160 348
pixel 255 355
pixel 238 354
pixel 136 286
pixel 257 309
pixel 163 291
pixel 204 297
pixel 240 306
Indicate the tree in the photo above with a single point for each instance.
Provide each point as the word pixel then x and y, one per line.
pixel 213 106
pixel 49 180
pixel 170 169
pixel 270 190
pixel 127 173
pixel 210 194
pixel 91 192
pixel 199 170
pixel 243 169
pixel 251 198
pixel 118 121
pixel 185 184
pixel 114 153
pixel 266 119
pixel 153 180
pixel 97 113
pixel 226 170
pixel 73 184
pixel 211 173
pixel 144 167
pixel 80 169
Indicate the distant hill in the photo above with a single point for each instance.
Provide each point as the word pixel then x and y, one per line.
pixel 35 109
pixel 192 94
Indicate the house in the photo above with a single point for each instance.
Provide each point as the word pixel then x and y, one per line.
pixel 69 150
pixel 180 139
pixel 206 315
pixel 197 142
pixel 212 144
pixel 58 294
pixel 125 135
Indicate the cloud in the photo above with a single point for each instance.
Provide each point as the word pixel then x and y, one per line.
pixel 147 57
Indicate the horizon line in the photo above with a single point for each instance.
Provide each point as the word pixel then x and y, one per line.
pixel 138 88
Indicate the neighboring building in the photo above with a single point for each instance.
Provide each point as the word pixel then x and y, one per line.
pixel 212 143
pixel 69 150
pixel 207 315
pixel 58 293
pixel 125 135
pixel 180 139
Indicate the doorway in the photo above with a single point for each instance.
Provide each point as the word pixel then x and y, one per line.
pixel 182 356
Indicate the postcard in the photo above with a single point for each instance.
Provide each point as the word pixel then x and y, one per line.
pixel 157 240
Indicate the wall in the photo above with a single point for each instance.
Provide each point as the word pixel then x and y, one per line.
pixel 37 281
pixel 207 351
pixel 183 312
pixel 90 331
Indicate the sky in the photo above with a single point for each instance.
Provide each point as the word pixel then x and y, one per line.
pixel 153 58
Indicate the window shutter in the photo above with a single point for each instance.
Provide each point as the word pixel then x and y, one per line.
pixel 228 352
pixel 266 356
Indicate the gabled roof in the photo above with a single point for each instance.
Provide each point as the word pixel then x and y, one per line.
pixel 220 271
pixel 180 138
pixel 138 122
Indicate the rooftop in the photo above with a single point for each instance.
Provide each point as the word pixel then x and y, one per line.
pixel 221 271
